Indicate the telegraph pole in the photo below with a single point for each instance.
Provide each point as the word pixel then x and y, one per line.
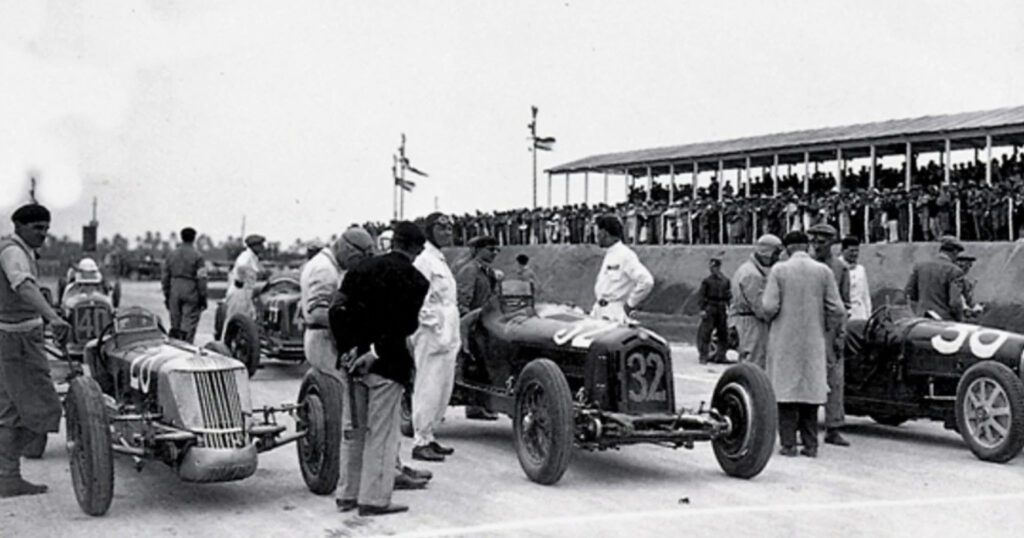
pixel 537 143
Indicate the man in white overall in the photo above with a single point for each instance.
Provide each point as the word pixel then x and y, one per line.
pixel 622 282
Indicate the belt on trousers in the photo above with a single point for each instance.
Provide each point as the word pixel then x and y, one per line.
pixel 603 302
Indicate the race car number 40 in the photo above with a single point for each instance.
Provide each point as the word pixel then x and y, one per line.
pixel 982 343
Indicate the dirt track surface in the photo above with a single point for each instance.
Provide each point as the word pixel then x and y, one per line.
pixel 915 480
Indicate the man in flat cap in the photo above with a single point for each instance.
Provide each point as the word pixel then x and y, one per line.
pixel 936 286
pixel 965 262
pixel 822 237
pixel 376 310
pixel 184 286
pixel 747 287
pixel 802 301
pixel 714 295
pixel 436 343
pixel 242 279
pixel 29 406
pixel 476 282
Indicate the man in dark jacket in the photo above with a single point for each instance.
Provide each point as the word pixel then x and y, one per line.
pixel 184 287
pixel 476 282
pixel 936 285
pixel 823 237
pixel 715 294
pixel 376 310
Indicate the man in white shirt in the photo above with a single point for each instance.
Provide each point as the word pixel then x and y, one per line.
pixel 242 279
pixel 860 292
pixel 622 282
pixel 436 342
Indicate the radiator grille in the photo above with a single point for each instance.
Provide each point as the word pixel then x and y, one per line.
pixel 221 409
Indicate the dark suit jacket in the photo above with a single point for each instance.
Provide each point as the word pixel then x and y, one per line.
pixel 379 303
pixel 937 285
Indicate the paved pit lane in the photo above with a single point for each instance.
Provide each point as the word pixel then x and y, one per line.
pixel 914 480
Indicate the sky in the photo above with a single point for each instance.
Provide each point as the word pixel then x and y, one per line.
pixel 287 114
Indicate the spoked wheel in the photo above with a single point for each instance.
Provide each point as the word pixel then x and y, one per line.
pixel 243 339
pixel 88 437
pixel 990 411
pixel 745 398
pixel 543 422
pixel 320 416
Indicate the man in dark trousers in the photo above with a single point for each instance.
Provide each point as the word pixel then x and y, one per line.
pixel 476 283
pixel 823 236
pixel 936 285
pixel 714 295
pixel 184 287
pixel 375 312
pixel 29 406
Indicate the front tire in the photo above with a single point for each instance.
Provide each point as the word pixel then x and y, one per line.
pixel 242 337
pixel 543 422
pixel 744 395
pixel 89 446
pixel 320 415
pixel 990 411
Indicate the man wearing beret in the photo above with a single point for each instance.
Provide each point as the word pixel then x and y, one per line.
pixel 802 301
pixel 936 285
pixel 372 317
pixel 242 279
pixel 29 406
pixel 823 236
pixel 747 287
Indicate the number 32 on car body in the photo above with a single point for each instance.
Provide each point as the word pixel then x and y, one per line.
pixel 982 342
pixel 637 364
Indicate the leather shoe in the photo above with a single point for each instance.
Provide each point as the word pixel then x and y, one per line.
pixel 426 453
pixel 834 438
pixel 370 510
pixel 404 481
pixel 809 452
pixel 16 486
pixel 788 451
pixel 480 413
pixel 421 474
pixel 442 450
pixel 345 505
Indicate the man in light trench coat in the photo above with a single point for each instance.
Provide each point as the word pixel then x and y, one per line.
pixel 747 287
pixel 802 301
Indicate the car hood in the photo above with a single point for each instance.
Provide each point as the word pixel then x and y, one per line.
pixel 964 339
pixel 553 325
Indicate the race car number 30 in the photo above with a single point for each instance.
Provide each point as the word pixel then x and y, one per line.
pixel 983 343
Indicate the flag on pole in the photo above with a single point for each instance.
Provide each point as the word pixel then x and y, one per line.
pixel 544 143
pixel 405 184
pixel 409 167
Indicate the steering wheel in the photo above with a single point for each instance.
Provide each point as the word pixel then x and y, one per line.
pixel 882 314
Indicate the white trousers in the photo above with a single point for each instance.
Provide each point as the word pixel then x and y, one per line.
pixel 432 388
pixel 612 311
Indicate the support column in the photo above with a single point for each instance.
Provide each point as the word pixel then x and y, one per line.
pixel 988 159
pixel 871 187
pixel 946 175
pixel 746 187
pixel 586 187
pixel 721 209
pixel 906 185
pixel 947 163
pixel 606 187
pixel 650 183
pixel 775 174
pixel 689 215
pixel 1009 216
pixel 671 183
pixel 549 189
pixel 567 188
pixel 807 172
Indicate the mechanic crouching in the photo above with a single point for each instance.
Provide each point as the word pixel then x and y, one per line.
pixel 29 406
pixel 375 311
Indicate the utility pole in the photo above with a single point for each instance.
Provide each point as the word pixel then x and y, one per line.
pixel 32 189
pixel 537 143
pixel 398 168
pixel 401 177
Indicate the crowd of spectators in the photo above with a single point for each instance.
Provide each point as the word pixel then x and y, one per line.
pixel 886 213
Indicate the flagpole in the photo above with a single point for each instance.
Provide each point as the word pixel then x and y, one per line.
pixel 401 177
pixel 395 188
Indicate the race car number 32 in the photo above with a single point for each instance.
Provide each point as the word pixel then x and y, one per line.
pixel 983 343
pixel 648 374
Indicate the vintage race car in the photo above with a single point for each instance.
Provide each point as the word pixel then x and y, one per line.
pixel 901 367
pixel 154 398
pixel 88 307
pixel 277 331
pixel 569 380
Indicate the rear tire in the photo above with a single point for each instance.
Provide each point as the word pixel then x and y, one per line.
pixel 990 411
pixel 89 446
pixel 242 337
pixel 744 395
pixel 320 415
pixel 543 422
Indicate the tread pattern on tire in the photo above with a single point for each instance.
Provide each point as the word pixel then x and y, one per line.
pixel 94 489
pixel 329 392
pixel 765 421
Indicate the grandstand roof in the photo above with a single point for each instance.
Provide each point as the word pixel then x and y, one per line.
pixel 927 132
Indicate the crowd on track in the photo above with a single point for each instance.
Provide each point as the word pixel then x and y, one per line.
pixel 967 206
